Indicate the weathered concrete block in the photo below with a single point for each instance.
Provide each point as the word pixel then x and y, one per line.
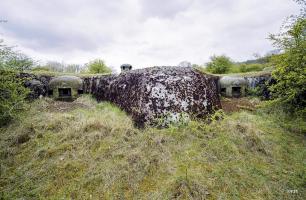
pixel 233 86
pixel 38 84
pixel 171 93
pixel 65 88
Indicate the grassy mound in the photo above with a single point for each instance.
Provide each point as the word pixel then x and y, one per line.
pixel 92 151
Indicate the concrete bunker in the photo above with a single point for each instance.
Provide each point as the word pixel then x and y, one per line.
pixel 125 67
pixel 232 86
pixel 66 88
pixel 165 92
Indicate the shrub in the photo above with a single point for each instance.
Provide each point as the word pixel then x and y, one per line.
pixel 12 96
pixel 10 59
pixel 256 92
pixel 290 67
pixel 98 67
pixel 12 90
pixel 219 64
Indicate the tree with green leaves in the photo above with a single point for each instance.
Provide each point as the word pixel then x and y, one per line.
pixel 219 64
pixel 13 60
pixel 13 94
pixel 290 66
pixel 98 66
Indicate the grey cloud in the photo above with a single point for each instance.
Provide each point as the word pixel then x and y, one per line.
pixel 164 9
pixel 47 38
pixel 57 25
pixel 143 32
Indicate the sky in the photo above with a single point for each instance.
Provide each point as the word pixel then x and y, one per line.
pixel 143 33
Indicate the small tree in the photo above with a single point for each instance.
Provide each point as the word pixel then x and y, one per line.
pixel 10 59
pixel 219 64
pixel 290 66
pixel 98 67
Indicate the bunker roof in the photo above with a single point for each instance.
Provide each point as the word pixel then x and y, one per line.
pixel 73 82
pixel 226 81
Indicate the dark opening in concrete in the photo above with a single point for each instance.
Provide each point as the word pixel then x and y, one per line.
pixel 223 91
pixel 80 91
pixel 236 91
pixel 50 92
pixel 64 92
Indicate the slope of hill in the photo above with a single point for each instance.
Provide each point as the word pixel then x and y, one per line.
pixel 90 150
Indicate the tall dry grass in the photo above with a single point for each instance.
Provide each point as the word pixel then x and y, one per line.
pixel 93 151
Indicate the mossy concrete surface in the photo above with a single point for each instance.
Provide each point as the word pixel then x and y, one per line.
pixel 161 92
pixel 72 83
pixel 230 82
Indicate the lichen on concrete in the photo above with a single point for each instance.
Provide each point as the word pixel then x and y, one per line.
pixel 174 94
pixel 158 92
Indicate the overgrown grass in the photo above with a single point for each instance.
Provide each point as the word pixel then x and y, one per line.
pixel 94 152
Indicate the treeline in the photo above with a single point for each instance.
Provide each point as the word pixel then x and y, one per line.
pixel 224 65
pixel 96 66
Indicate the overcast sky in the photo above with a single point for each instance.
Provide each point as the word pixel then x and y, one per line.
pixel 141 32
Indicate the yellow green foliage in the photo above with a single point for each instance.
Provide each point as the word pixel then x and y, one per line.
pixel 98 66
pixel 290 67
pixel 12 90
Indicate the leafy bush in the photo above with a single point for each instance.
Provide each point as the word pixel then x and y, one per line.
pixel 98 67
pixel 12 96
pixel 10 59
pixel 290 67
pixel 12 90
pixel 219 64
pixel 256 92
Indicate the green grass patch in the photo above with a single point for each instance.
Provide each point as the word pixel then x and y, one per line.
pixel 95 152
